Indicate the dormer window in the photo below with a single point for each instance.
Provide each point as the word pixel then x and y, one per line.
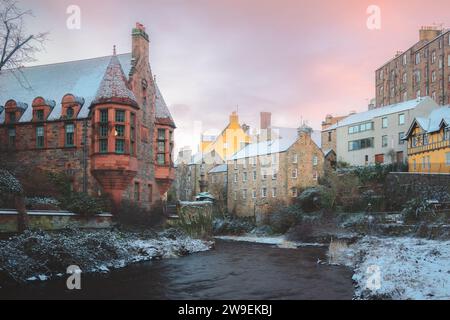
pixel 12 117
pixel 69 113
pixel 40 115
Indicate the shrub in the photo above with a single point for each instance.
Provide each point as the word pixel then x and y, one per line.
pixel 9 184
pixel 284 218
pixel 40 203
pixel 233 226
pixel 84 204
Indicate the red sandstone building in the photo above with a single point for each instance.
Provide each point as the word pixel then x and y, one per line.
pixel 111 133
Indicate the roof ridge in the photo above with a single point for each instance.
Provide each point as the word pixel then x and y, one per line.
pixel 64 62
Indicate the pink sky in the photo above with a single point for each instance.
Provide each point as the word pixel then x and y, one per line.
pixel 299 59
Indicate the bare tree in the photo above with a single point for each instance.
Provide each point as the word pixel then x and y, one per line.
pixel 17 46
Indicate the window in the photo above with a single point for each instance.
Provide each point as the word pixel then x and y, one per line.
pixel 401 119
pixel 294 192
pixel 447 134
pixel 120 131
pixel 104 116
pixel 274 192
pixel 433 76
pixel 447 159
pixel 330 137
pixel 384 122
pixel 12 137
pixel 418 76
pixel 264 192
pixel 294 173
pixel 120 116
pixel 133 133
pixel 441 62
pixel 70 129
pixel 405 77
pixel 40 115
pixel 433 56
pixel 315 161
pixel 235 178
pixel 315 176
pixel 244 164
pixel 254 175
pixel 264 174
pixel 103 146
pixel 12 117
pixel 120 146
pixel 39 137
pixel 360 144
pixel 274 174
pixel 401 135
pixel 137 192
pixel 244 194
pixel 161 156
pixel 254 162
pixel 235 164
pixel 360 128
pixel 384 141
pixel 69 113
pixel 244 177
pixel 405 57
pixel 418 58
pixel 405 96
pixel 254 194
pixel 295 158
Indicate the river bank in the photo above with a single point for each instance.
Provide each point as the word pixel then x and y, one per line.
pixel 39 256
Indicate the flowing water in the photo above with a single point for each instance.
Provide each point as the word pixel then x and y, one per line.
pixel 234 270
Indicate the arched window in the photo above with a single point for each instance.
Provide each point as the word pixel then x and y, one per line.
pixel 69 113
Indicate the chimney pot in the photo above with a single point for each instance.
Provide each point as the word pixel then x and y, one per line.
pixel 266 120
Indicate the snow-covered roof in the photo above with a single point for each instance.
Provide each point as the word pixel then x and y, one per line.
pixel 287 137
pixel 208 158
pixel 53 81
pixel 379 112
pixel 219 169
pixel 162 111
pixel 433 122
pixel 114 86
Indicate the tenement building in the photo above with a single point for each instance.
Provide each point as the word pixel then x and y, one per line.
pixel 422 70
pixel 109 132
pixel 376 136
pixel 428 141
pixel 273 171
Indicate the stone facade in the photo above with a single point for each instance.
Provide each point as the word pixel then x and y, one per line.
pixel 119 143
pixel 422 70
pixel 329 133
pixel 260 181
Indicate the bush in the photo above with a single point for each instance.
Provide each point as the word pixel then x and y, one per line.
pixel 84 204
pixel 38 203
pixel 233 226
pixel 132 215
pixel 284 218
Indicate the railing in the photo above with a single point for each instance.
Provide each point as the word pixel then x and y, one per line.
pixel 429 147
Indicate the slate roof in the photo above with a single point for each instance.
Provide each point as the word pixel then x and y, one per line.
pixel 53 81
pixel 379 112
pixel 433 122
pixel 162 112
pixel 287 137
pixel 219 169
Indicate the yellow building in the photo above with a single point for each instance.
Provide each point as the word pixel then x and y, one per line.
pixel 429 143
pixel 232 139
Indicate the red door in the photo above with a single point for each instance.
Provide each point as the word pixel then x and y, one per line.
pixel 379 158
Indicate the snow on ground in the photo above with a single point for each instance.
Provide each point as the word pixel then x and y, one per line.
pixel 38 256
pixel 401 268
pixel 279 241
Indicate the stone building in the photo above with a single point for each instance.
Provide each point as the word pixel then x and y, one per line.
pixel 422 70
pixel 272 172
pixel 329 133
pixel 110 132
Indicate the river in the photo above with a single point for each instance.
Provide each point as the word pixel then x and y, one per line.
pixel 234 270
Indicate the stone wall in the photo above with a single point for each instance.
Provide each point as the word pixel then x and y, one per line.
pixel 195 218
pixel 402 186
pixel 54 220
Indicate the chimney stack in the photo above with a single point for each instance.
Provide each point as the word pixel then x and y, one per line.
pixel 234 118
pixel 266 120
pixel 428 33
pixel 140 46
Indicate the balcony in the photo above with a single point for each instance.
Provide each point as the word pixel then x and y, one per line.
pixel 429 147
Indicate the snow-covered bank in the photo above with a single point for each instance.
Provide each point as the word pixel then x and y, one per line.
pixel 41 255
pixel 400 268
pixel 279 241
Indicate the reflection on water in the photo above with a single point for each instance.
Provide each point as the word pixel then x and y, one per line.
pixel 233 270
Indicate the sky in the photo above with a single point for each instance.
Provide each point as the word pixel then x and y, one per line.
pixel 299 59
